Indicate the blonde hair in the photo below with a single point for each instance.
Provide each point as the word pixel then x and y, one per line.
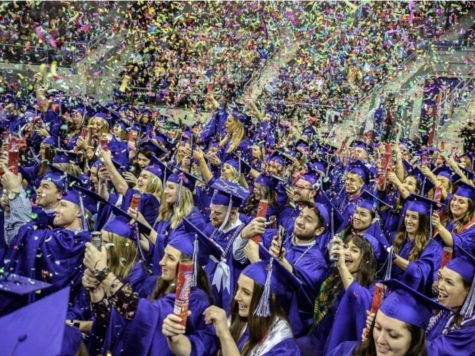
pixel 176 214
pixel 122 255
pixel 70 168
pixel 236 179
pixel 154 186
pixel 236 133
pixel 104 129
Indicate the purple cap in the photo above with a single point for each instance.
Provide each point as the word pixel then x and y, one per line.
pixel 310 176
pixel 183 241
pixel 360 169
pixel 331 216
pixel 156 167
pixel 226 191
pixel 363 145
pixel 207 247
pixel 408 305
pixel 379 250
pixel 422 205
pixel 233 164
pixel 37 329
pixel 463 264
pixel 268 180
pixel 371 202
pixel 445 171
pixel 63 156
pixel 188 180
pixel 56 178
pixel 19 285
pixel 417 173
pixel 466 190
pixel 104 117
pixel 120 226
pixel 243 118
pixel 50 141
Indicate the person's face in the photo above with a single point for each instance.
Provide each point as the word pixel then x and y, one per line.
pixel 169 263
pixel 171 190
pixel 458 206
pixel 305 227
pixel 444 180
pixel 362 219
pixel 230 122
pixel 94 177
pixel 411 220
pixel 226 172
pixel 452 292
pixel 256 152
pixel 243 296
pixel 65 213
pixel 42 150
pixel 410 184
pixel 76 119
pixel 276 169
pixel 466 162
pixel 218 214
pixel 142 180
pixel 303 191
pixel 257 191
pixel 359 153
pixel 116 130
pixel 391 336
pixel 145 119
pixel 353 183
pixel 142 161
pixel 96 126
pixel 352 257
pixel 47 194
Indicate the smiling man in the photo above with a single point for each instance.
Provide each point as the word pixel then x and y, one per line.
pixel 53 256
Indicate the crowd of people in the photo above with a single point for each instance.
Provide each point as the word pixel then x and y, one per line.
pixel 286 242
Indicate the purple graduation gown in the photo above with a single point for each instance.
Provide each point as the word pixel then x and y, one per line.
pixel 346 205
pixel 53 256
pixel 148 205
pixel 441 341
pixel 345 349
pixel 144 335
pixel 164 234
pixel 288 216
pixel 466 239
pixel 419 273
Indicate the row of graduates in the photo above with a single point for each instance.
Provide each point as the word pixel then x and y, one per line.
pixel 315 295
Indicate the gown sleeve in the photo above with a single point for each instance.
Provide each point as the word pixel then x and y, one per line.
pixel 287 347
pixel 459 342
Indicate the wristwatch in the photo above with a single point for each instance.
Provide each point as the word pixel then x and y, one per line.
pixel 101 274
pixel 13 195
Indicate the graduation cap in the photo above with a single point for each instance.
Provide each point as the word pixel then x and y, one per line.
pixel 360 169
pixel 84 202
pixel 280 158
pixel 371 202
pixel 466 191
pixel 331 216
pixel 426 183
pixel 239 164
pixel 268 180
pixel 363 145
pixel 445 171
pixel 183 179
pixel 275 278
pixel 469 174
pixel 37 329
pixel 423 205
pixel 228 194
pixel 464 265
pixel 81 180
pixel 245 120
pixel 310 175
pixel 56 178
pixel 319 165
pixel 18 285
pixel 159 151
pixel 50 141
pixel 408 305
pixel 379 247
pixel 104 117
pixel 63 156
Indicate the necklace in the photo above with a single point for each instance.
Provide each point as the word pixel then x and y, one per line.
pixel 230 242
pixel 303 254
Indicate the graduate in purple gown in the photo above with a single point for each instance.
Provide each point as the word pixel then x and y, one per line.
pixel 398 327
pixel 344 296
pixel 53 256
pixel 145 332
pixel 300 254
pixel 177 204
pixel 456 224
pixel 264 189
pixel 356 179
pixel 453 333
pixel 225 226
pixel 416 256
pixel 258 325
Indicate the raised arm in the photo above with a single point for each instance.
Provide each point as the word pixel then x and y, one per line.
pixel 119 182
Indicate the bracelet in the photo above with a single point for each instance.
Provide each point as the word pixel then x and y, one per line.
pixel 101 274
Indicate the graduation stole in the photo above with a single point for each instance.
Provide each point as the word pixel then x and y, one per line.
pixel 321 304
pixel 465 227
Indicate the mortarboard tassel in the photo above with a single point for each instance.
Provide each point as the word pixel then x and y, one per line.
pixel 331 222
pixel 467 308
pixel 85 225
pixel 228 212
pixel 178 195
pixel 389 264
pixel 263 308
pixel 194 278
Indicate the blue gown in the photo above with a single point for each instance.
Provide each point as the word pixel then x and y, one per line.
pixel 442 341
pixel 148 205
pixel 345 349
pixel 221 294
pixel 346 205
pixel 144 335
pixel 466 239
pixel 419 273
pixel 288 216
pixel 53 256
pixel 164 234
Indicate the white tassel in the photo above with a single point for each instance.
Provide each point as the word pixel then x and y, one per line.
pixel 178 195
pixel 225 221
pixel 84 223
pixel 467 308
pixel 389 263
pixel 263 308
pixel 195 262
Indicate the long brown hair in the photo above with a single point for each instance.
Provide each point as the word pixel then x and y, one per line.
pixel 258 326
pixel 49 156
pixel 366 271
pixel 163 287
pixel 236 134
pixel 417 347
pixel 459 318
pixel 122 255
pixel 168 211
pixel 468 216
pixel 266 194
pixel 421 240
